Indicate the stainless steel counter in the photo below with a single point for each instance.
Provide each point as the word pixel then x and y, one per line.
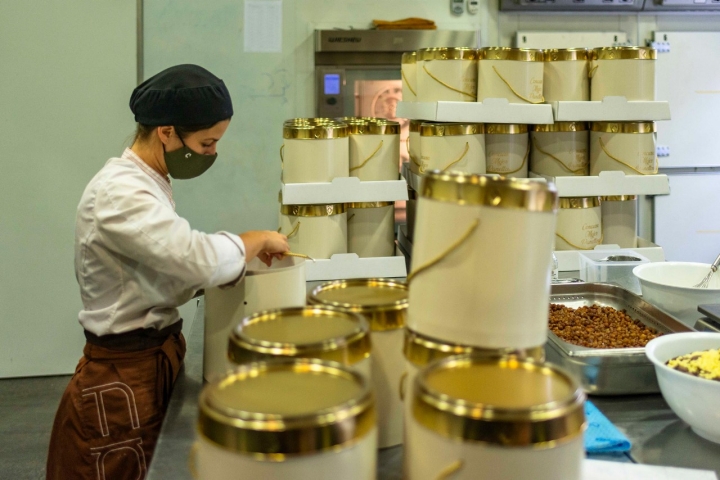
pixel 659 437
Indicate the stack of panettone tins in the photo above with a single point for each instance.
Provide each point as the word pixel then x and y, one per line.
pixel 321 149
pixel 527 76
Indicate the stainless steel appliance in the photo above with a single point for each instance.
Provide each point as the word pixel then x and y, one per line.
pixel 357 72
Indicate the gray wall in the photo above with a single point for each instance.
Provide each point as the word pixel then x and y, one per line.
pixel 67 72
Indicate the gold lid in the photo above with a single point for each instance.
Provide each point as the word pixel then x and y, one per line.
pixel 509 53
pixel 313 121
pixel 421 350
pixel 450 129
pixel 285 407
pixel 369 204
pixel 415 125
pixel 447 53
pixel 357 119
pixel 501 401
pixel 315 131
pixel 619 198
pixel 374 127
pixel 313 210
pixel 579 202
pixel 307 332
pixel 383 302
pixel 623 127
pixel 566 54
pixel 624 53
pixel 561 127
pixel 490 191
pixel 409 57
pixel 506 128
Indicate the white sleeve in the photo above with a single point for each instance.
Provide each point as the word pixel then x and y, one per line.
pixel 136 224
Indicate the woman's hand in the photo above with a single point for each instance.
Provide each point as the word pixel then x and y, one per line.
pixel 264 244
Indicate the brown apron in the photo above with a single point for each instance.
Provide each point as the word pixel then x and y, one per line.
pixel 110 415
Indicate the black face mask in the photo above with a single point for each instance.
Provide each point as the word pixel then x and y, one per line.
pixel 184 163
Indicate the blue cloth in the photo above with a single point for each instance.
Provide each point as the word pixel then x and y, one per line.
pixel 601 435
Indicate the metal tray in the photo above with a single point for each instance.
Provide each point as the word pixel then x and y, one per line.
pixel 609 371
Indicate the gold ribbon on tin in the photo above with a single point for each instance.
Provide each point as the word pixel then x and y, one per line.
pixel 604 149
pixel 282 158
pixel 368 159
pixel 402 73
pixel 450 469
pixel 527 152
pixel 579 171
pixel 578 246
pixel 351 217
pixel 403 379
pixel 444 254
pixel 293 232
pixel 515 91
pixel 467 148
pixel 420 166
pixel 473 96
pixel 591 72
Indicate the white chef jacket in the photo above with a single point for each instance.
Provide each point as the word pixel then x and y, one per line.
pixel 136 260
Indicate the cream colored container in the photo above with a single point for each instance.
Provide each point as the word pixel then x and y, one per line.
pixel 512 73
pixel 303 332
pixel 473 231
pixel 619 220
pixel 318 231
pixel 495 419
pixel 314 151
pixel 374 150
pixel 507 148
pixel 625 146
pixel 413 146
pixel 565 75
pixel 384 304
pixel 560 149
pixel 409 76
pixel 421 351
pixel 447 75
pixel 623 72
pixel 452 147
pixel 579 224
pixel 286 419
pixel 410 213
pixel 371 229
pixel 264 288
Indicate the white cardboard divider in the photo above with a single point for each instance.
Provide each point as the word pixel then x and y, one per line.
pixel 611 109
pixel 413 179
pixel 490 110
pixel 344 190
pixel 569 260
pixel 342 266
pixel 609 183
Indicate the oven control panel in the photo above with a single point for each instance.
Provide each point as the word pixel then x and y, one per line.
pixel 331 84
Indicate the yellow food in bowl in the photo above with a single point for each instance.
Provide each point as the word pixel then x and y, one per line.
pixel 704 364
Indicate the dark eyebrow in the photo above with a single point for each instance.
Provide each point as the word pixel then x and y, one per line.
pixel 211 138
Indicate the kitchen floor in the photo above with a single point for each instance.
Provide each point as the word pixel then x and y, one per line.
pixel 27 410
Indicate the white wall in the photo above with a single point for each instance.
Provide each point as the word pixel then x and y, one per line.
pixel 67 72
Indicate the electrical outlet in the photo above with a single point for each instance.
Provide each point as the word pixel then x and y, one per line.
pixel 457 7
pixel 473 6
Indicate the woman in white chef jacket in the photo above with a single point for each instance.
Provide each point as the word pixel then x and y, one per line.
pixel 136 261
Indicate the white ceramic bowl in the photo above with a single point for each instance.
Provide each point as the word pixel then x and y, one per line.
pixel 693 399
pixel 669 286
